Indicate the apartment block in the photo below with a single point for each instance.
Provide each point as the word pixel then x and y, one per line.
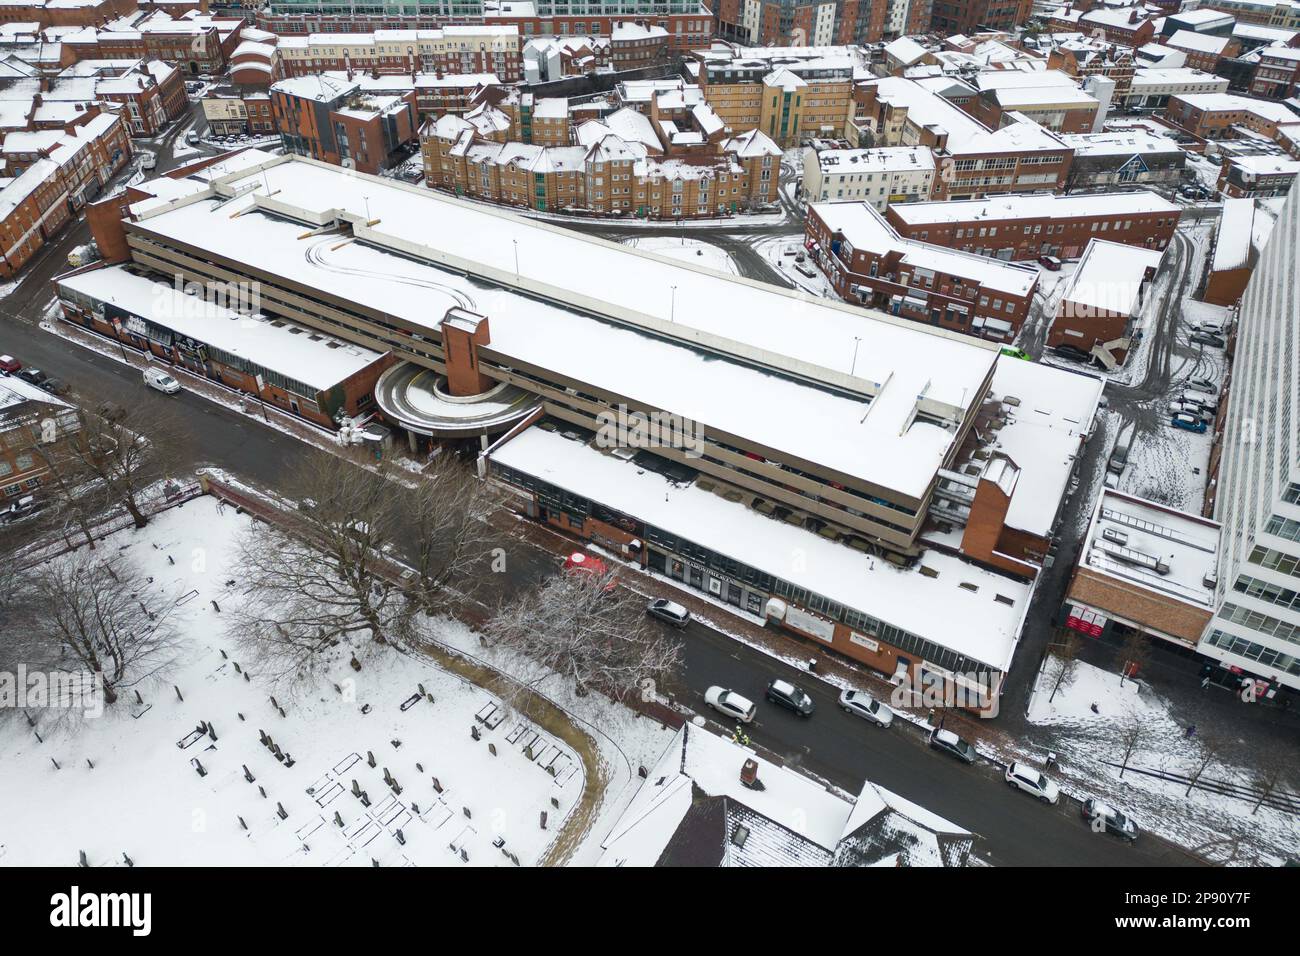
pixel 890 174
pixel 332 119
pixel 799 22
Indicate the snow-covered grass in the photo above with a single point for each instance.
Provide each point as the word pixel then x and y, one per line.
pixel 1088 743
pixel 128 782
pixel 780 252
pixel 695 251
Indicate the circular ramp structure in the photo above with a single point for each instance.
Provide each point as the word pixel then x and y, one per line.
pixel 416 398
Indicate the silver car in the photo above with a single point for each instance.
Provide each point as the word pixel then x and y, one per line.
pixel 863 705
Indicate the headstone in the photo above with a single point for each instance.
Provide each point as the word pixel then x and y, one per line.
pixel 56 764
pixel 199 767
pixel 370 759
pixel 237 670
pixel 468 815
pixel 642 772
pixel 282 713
pixel 422 690
pixel 415 808
pixel 473 731
pixel 543 821
pixel 262 790
pixel 178 692
pixel 281 812
pixel 419 768
pixel 248 774
pixel 464 855
pixel 365 799
pixel 429 697
pixel 400 838
pixel 555 802
pixel 212 732
pixel 356 664
pixel 81 858
pixel 90 763
pixel 138 699
pixel 127 860
pixel 242 823
pixel 274 704
pixel 225 656
pixel 492 749
pixel 437 785
pixel 338 820
pixel 246 680
pixel 356 788
pixel 216 607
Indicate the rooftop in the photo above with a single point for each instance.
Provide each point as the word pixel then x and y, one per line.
pixel 1034 207
pixel 1110 276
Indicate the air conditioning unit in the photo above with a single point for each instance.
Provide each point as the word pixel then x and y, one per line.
pixel 1114 535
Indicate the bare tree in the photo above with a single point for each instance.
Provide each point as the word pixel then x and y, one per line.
pixel 100 616
pixel 1066 652
pixel 1268 780
pixel 448 537
pixel 329 577
pixel 1130 736
pixel 1206 753
pixel 584 628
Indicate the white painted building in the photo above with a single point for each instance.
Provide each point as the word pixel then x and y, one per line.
pixel 1151 88
pixel 1257 624
pixel 878 176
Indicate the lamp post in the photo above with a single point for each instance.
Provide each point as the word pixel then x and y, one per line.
pixel 672 310
pixel 516 245
pixel 857 340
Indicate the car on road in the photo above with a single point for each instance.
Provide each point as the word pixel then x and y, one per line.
pixel 9 365
pixel 1024 777
pixel 669 613
pixel 1015 352
pixel 952 745
pixel 865 706
pixel 730 704
pixel 581 563
pixel 791 697
pixel 156 378
pixel 1104 817
pixel 21 508
pixel 1050 263
pixel 149 161
pixel 33 376
pixel 192 136
pixel 1191 423
pixel 1210 339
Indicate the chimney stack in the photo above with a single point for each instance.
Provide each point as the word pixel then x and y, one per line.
pixel 749 772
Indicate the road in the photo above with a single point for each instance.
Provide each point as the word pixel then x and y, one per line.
pixel 845 750
pixel 839 748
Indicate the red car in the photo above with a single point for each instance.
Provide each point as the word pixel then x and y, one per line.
pixel 9 364
pixel 1050 263
pixel 579 562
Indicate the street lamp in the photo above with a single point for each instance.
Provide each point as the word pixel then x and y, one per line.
pixel 367 202
pixel 672 312
pixel 516 245
pixel 857 340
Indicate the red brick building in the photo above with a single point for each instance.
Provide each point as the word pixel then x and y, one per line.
pixel 1026 227
pixel 332 119
pixel 868 263
pixel 1101 299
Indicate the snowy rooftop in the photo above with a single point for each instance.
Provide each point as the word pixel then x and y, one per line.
pixel 1133 539
pixel 941 608
pixel 1173 75
pixel 1110 276
pixel 883 159
pixel 867 229
pixel 1119 143
pixel 1053 410
pixel 1233 238
pixel 1230 102
pixel 303 355
pixel 678 320
pixel 1034 207
pixel 1198 42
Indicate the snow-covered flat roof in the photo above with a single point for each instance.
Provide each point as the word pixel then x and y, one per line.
pixel 1044 430
pixel 1034 207
pixel 1120 143
pixel 1230 102
pixel 939 608
pixel 866 229
pixel 1175 75
pixel 879 160
pixel 1154 547
pixel 303 355
pixel 1232 239
pixel 1199 42
pixel 681 330
pixel 1110 276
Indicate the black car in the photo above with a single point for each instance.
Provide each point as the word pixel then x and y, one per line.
pixel 1201 338
pixel 1102 816
pixel 33 375
pixel 787 695
pixel 953 745
pixel 56 386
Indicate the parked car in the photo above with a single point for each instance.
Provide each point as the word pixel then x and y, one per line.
pixel 1015 352
pixel 1185 408
pixel 1191 423
pixel 1050 263
pixel 31 375
pixel 730 704
pixel 158 379
pixel 1118 459
pixel 1201 400
pixel 863 705
pixel 192 136
pixel 1106 817
pixel 951 744
pixel 56 386
pixel 670 613
pixel 1024 777
pixel 1202 385
pixel 150 161
pixel 14 510
pixel 1208 338
pixel 787 695
pixel 9 365
pixel 579 562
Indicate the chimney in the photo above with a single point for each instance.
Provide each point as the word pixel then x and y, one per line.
pixel 749 772
pixel 1133 16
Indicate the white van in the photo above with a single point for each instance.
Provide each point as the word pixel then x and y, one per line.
pixel 156 378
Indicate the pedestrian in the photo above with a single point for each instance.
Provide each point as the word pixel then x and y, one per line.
pixel 1191 730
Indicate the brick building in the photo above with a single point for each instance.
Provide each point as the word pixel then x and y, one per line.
pixel 1123 157
pixel 868 263
pixel 1094 316
pixel 1257 176
pixel 972 16
pixel 800 22
pixel 25 438
pixel 1214 115
pixel 1277 74
pixel 1026 227
pixel 890 174
pixel 151 95
pixel 483 48
pixel 331 118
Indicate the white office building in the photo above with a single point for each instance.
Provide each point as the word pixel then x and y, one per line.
pixel 1257 625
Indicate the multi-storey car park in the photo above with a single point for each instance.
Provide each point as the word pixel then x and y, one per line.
pixel 887 489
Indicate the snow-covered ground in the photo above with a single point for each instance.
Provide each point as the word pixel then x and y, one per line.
pixel 128 782
pixel 1091 746
pixel 781 251
pixel 695 251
